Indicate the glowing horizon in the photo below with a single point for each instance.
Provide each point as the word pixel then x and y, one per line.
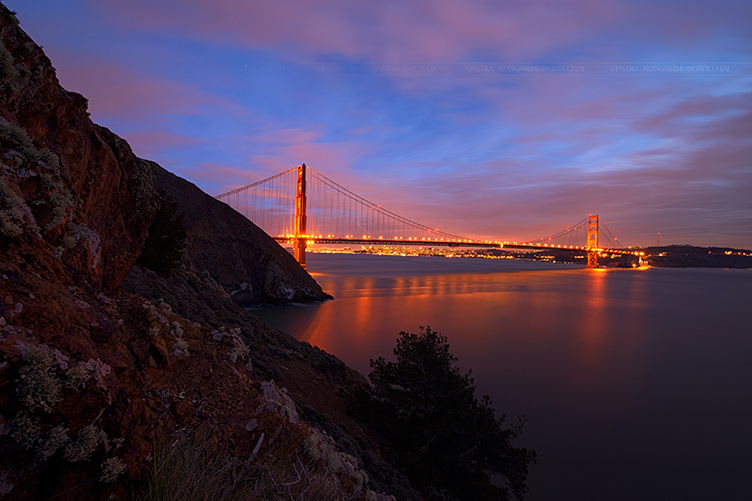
pixel 494 122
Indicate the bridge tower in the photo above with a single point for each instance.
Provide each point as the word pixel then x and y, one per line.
pixel 592 241
pixel 299 242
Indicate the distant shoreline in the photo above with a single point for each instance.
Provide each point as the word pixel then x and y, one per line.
pixel 671 256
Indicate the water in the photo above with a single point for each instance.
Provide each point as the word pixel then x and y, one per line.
pixel 637 384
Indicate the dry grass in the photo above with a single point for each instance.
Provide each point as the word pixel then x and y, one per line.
pixel 184 470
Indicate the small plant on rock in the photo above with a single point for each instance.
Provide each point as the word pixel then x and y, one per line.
pixel 85 445
pixel 26 430
pixel 39 388
pixel 8 71
pixel 78 376
pixel 11 211
pixel 55 439
pixel 111 469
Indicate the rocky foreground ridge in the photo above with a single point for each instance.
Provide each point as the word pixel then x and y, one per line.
pixel 108 394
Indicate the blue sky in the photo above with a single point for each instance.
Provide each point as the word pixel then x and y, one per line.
pixel 501 120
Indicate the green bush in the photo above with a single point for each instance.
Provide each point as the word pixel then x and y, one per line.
pixel 165 244
pixel 451 444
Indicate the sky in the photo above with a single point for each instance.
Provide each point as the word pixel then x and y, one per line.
pixel 502 120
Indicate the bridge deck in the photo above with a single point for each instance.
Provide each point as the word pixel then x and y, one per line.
pixel 446 243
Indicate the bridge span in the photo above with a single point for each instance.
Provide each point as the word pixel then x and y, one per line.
pixel 303 207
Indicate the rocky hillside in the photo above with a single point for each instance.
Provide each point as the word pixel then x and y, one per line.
pixel 107 394
pixel 248 264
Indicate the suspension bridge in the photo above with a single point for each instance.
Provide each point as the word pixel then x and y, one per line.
pixel 301 206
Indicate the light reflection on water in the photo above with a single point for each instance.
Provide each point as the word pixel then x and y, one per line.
pixel 631 380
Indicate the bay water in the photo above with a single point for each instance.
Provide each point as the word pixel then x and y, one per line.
pixel 636 383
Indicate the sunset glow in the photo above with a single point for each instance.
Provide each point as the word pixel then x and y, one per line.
pixel 499 122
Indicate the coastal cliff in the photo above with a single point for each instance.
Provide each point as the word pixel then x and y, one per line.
pixel 247 262
pixel 103 390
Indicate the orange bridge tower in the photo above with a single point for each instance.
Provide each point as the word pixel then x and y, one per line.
pixel 592 241
pixel 299 242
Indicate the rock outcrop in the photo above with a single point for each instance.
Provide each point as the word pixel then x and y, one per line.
pixel 78 180
pixel 98 385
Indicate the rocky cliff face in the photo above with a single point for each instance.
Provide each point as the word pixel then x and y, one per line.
pixel 95 382
pixel 248 263
pixel 77 180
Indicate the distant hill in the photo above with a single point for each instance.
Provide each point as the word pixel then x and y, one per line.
pixel 689 256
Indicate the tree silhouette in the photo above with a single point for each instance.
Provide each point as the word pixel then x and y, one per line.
pixel 450 443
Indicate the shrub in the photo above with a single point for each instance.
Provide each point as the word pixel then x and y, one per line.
pixel 56 438
pixel 17 138
pixel 26 430
pixel 165 244
pixel 11 210
pixel 40 388
pixel 8 71
pixel 42 164
pixel 77 376
pixel 85 445
pixel 111 469
pixel 447 440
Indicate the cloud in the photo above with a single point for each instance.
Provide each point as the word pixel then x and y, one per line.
pixel 505 154
pixel 116 89
pixel 425 30
pixel 153 142
pixel 419 30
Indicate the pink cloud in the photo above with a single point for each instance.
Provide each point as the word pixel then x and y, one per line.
pixel 383 31
pixel 116 89
pixel 219 175
pixel 150 142
pixel 282 135
pixel 691 148
pixel 271 150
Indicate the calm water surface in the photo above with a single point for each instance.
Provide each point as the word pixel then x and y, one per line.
pixel 637 384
